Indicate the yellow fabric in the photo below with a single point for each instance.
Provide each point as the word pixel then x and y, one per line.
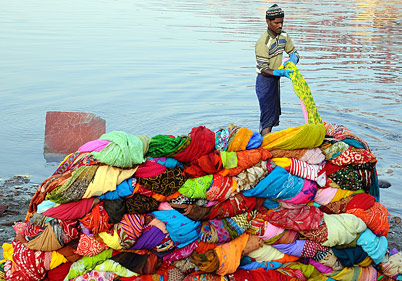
pixel 283 162
pixel 347 274
pixel 229 254
pixel 342 193
pixel 57 259
pixel 113 241
pixel 304 136
pixel 8 250
pixel 342 228
pixel 240 140
pixel 302 90
pixel 366 262
pixel 266 253
pixel 106 179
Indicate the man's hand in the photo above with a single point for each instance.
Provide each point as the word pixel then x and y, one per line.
pixel 282 73
pixel 293 58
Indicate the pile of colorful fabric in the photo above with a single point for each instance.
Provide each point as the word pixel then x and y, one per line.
pixel 298 204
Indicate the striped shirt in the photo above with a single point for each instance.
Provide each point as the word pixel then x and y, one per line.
pixel 269 50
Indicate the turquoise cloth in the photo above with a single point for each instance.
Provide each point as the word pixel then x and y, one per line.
pixel 374 246
pixel 124 150
pixel 279 185
pixel 182 230
pixel 124 189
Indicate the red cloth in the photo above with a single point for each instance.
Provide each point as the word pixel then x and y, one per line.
pixel 58 273
pixel 205 165
pixel 71 210
pixel 97 220
pixel 149 169
pixel 29 265
pixel 361 201
pixel 202 142
pixel 221 188
pixel 235 205
pixel 304 218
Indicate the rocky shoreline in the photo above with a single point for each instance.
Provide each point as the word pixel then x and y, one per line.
pixel 17 191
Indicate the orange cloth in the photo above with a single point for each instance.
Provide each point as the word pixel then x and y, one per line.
pixel 229 254
pixel 240 139
pixel 377 218
pixel 245 160
pixel 205 246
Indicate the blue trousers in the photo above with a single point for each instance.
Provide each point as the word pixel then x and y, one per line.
pixel 268 94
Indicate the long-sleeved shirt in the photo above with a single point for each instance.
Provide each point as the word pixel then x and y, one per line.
pixel 269 49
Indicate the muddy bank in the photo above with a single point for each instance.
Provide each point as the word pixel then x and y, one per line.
pixel 16 193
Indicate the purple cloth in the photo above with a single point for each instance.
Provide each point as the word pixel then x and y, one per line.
pixel 149 239
pixel 294 249
pixel 95 145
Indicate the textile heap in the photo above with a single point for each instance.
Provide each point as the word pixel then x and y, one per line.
pixel 298 204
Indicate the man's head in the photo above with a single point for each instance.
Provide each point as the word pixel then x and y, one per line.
pixel 274 17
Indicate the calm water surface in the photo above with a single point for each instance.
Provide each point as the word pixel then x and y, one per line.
pixel 164 67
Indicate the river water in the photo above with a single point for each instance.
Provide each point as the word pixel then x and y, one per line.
pixel 163 67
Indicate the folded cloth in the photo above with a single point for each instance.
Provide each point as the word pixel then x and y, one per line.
pixel 182 230
pixel 304 136
pixel 72 210
pixel 202 142
pixel 124 150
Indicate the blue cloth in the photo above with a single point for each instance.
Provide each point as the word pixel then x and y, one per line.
pixel 182 230
pixel 265 265
pixel 354 143
pixel 279 185
pixel 255 141
pixel 350 256
pixel 123 189
pixel 168 162
pixel 268 94
pixel 374 246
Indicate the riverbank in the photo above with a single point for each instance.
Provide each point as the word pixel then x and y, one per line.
pixel 16 193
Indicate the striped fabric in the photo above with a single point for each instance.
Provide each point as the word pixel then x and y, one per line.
pixel 133 224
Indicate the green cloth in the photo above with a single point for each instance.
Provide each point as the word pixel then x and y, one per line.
pixel 86 264
pixel 197 187
pixel 123 151
pixel 161 145
pixel 229 159
pixel 113 266
pixel 302 90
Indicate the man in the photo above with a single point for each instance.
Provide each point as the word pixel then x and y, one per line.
pixel 268 50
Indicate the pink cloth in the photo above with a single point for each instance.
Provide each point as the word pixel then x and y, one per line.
pixel 306 195
pixel 303 106
pixel 150 169
pixel 271 231
pixel 71 210
pixel 324 196
pixel 164 206
pixel 95 145
pixel 320 267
